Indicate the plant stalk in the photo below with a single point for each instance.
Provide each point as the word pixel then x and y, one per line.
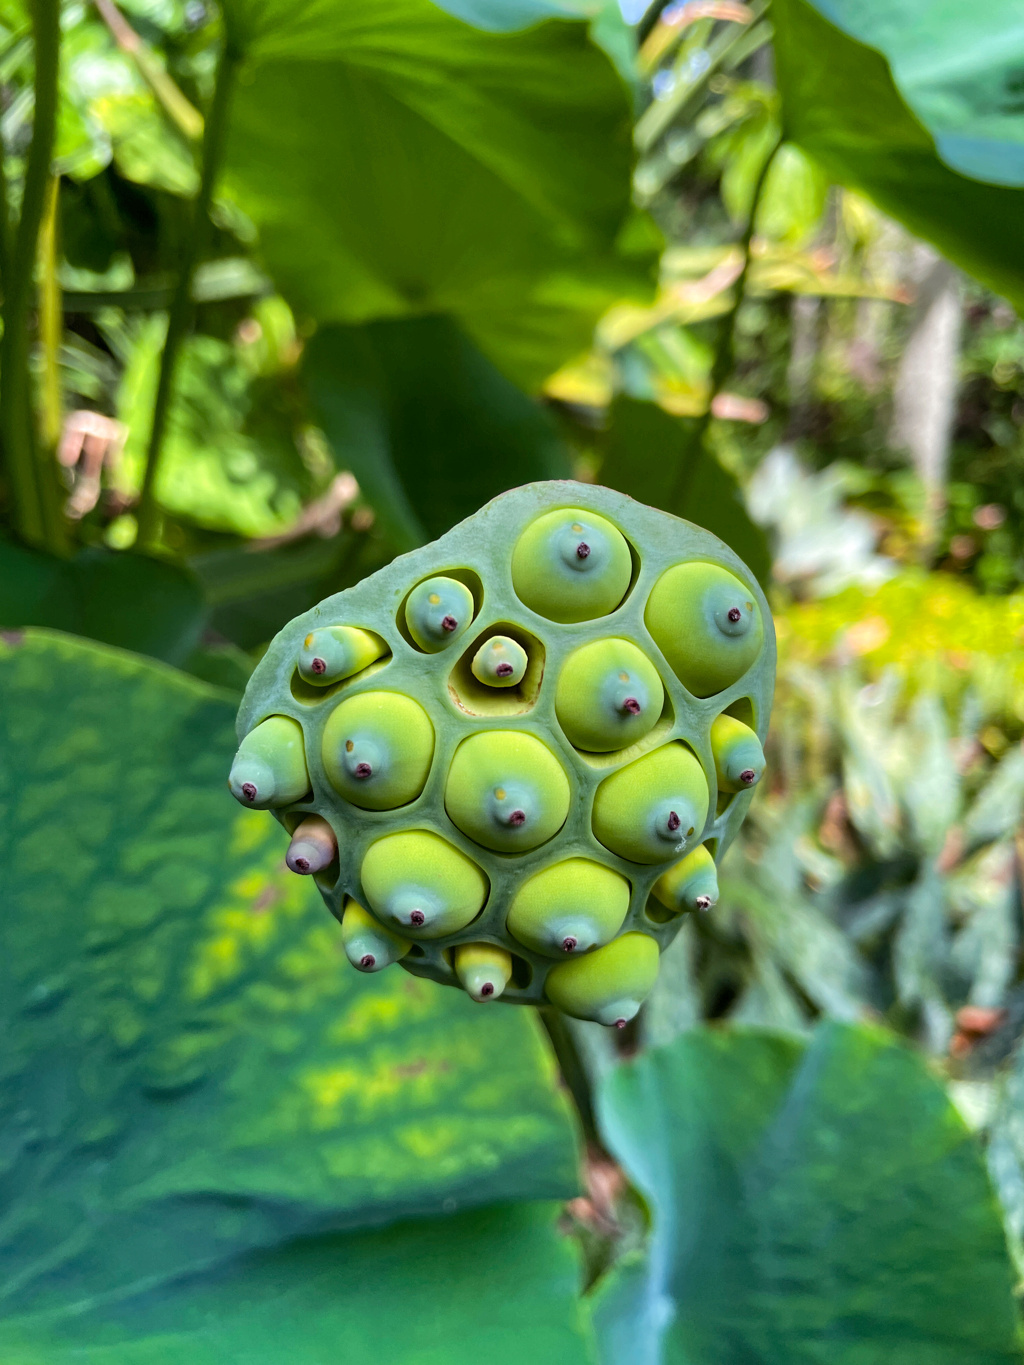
pixel 725 348
pixel 182 307
pixel 51 321
pixel 33 479
pixel 574 1072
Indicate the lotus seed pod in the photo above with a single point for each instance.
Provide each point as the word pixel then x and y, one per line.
pixel 609 696
pixel 571 565
pixel 483 969
pixel 335 652
pixel 570 907
pixel 691 885
pixel 652 809
pixel 270 767
pixel 739 758
pixel 506 790
pixel 377 748
pixel 438 612
pixel 499 662
pixel 707 625
pixel 369 946
pixel 608 985
pixel 417 884
pixel 313 846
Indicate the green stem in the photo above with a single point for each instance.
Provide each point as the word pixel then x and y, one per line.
pixel 34 488
pixel 725 348
pixel 182 308
pixel 51 321
pixel 574 1072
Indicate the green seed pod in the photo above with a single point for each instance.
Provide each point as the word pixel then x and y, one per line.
pixel 499 662
pixel 483 969
pixel 707 625
pixel 336 652
pixel 739 758
pixel 270 767
pixel 571 565
pixel 437 612
pixel 506 790
pixel 313 846
pixel 691 885
pixel 609 696
pixel 650 810
pixel 608 985
pixel 377 749
pixel 419 885
pixel 569 907
pixel 368 945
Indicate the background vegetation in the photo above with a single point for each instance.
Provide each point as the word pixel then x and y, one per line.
pixel 291 288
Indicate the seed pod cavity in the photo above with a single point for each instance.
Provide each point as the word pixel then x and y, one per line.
pixel 692 884
pixel 331 653
pixel 377 749
pixel 655 807
pixel 313 846
pixel 739 758
pixel 608 985
pixel 609 696
pixel 483 969
pixel 570 565
pixel 269 770
pixel 569 907
pixel 437 612
pixel 368 944
pixel 706 623
pixel 419 885
pixel 506 790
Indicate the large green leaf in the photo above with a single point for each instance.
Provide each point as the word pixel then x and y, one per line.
pixel 398 161
pixel 841 104
pixel 426 423
pixel 812 1205
pixel 121 599
pixel 654 458
pixel 191 1071
pixel 959 68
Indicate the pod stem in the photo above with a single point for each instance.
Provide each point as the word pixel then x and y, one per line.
pixel 573 1070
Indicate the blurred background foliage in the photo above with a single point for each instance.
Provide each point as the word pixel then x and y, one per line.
pixel 291 288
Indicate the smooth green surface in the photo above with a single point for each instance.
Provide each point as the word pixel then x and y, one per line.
pixel 654 458
pixel 426 423
pixel 497 1285
pixel 436 185
pixel 842 106
pixel 959 68
pixel 120 599
pixel 818 1204
pixel 190 1069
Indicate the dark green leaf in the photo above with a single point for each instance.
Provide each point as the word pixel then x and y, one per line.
pixel 842 105
pixel 191 1071
pixel 426 423
pixel 120 599
pixel 398 162
pixel 818 1205
pixel 657 459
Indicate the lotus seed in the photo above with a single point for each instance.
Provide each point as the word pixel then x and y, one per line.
pixel 569 907
pixel 739 758
pixel 506 790
pixel 418 881
pixel 270 766
pixel 706 624
pixel 377 749
pixel 609 696
pixel 648 810
pixel 437 612
pixel 608 985
pixel 571 566
pixel 335 652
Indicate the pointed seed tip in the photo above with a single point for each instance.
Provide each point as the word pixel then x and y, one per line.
pixel 632 706
pixel 673 821
pixel 487 988
pixel 448 623
pixel 417 917
pixel 363 770
pixel 734 613
pixel 620 1023
pixel 703 902
pixel 504 670
pixel 517 818
pixel 367 961
pixel 300 865
pixel 582 550
pixel 569 944
pixel 748 777
pixel 318 666
pixel 250 791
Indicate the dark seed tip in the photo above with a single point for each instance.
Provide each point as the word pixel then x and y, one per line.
pixel 673 821
pixel 417 917
pixel 318 666
pixel 367 961
pixel 569 944
pixel 448 623
pixel 703 902
pixel 517 818
pixel 748 777
pixel 632 706
pixel 487 989
pixel 249 791
pixel 300 864
pixel 734 613
pixel 504 670
pixel 620 1023
pixel 582 550
pixel 363 770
